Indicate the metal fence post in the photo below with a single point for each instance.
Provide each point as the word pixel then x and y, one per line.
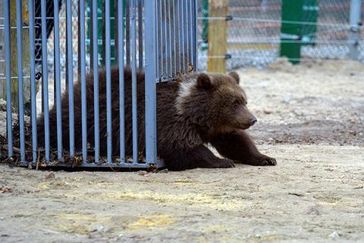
pixel 355 22
pixel 150 82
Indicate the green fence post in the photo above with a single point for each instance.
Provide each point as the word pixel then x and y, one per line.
pixel 298 27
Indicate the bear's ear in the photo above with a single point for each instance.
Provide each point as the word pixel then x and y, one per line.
pixel 204 81
pixel 235 76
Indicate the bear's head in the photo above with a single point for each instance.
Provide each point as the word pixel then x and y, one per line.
pixel 214 102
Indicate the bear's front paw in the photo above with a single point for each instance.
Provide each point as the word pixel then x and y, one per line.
pixel 265 161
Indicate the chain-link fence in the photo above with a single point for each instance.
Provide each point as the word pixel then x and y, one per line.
pixel 254 32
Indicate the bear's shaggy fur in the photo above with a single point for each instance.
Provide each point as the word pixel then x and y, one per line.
pixel 193 111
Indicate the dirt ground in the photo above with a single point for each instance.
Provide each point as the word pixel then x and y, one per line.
pixel 310 118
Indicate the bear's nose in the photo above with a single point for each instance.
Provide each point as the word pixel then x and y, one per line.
pixel 253 121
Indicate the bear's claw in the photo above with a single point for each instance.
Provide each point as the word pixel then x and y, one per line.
pixel 267 161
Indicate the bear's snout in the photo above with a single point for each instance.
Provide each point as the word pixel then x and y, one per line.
pixel 252 121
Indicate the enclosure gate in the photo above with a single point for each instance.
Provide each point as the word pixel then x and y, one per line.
pixel 156 35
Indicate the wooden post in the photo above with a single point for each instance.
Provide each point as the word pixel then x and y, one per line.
pixel 217 35
pixel 25 53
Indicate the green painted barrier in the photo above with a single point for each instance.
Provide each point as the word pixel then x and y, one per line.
pixel 298 27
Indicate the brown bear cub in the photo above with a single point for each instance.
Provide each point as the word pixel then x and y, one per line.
pixel 196 110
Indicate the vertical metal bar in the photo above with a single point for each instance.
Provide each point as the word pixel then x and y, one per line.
pixel 78 47
pixel 195 12
pixel 173 39
pixel 70 75
pixel 157 39
pixel 150 82
pixel 170 42
pixel 114 31
pixel 161 38
pixel 140 32
pixel 161 45
pixel 192 32
pixel 57 77
pixel 101 35
pixel 108 81
pixel 32 80
pixel 19 43
pixel 8 77
pixel 188 32
pixel 127 30
pixel 165 38
pixel 183 37
pixel 355 9
pixel 178 37
pixel 82 54
pixel 45 77
pixel 90 32
pixel 134 80
pixel 95 61
pixel 186 28
pixel 121 79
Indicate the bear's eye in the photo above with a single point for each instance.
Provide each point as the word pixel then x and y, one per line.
pixel 236 103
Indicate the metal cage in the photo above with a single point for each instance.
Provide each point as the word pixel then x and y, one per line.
pixel 158 36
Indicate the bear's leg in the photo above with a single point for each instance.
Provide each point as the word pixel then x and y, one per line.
pixel 238 146
pixel 198 157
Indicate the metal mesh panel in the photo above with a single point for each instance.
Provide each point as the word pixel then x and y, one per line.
pixel 57 44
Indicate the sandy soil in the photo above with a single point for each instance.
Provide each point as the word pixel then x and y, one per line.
pixel 310 119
